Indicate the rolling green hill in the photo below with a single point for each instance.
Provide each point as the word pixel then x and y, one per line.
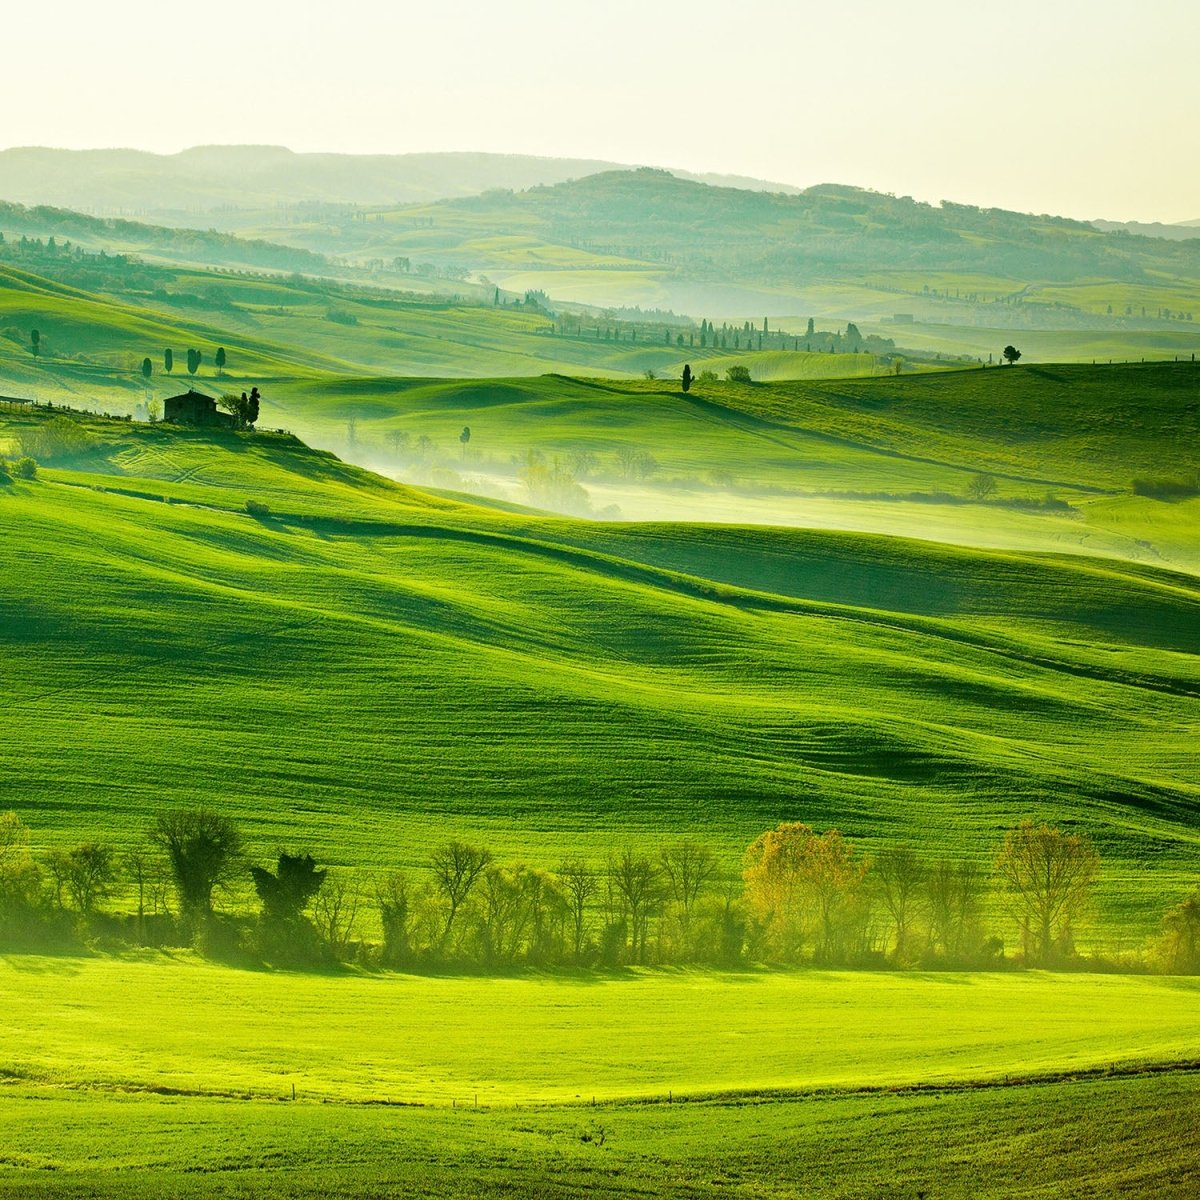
pixel 99 315
pixel 652 239
pixel 371 665
pixel 1063 446
pixel 214 182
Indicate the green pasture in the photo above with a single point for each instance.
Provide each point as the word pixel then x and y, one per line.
pixel 368 669
pixel 1118 1136
pixel 885 455
pixel 175 1077
pixel 1085 346
pixel 183 1025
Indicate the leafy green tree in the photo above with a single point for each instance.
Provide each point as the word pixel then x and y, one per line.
pixel 738 374
pixel 464 439
pixel 1180 942
pixel 287 891
pixel 25 468
pixel 92 872
pixel 981 486
pixel 687 377
pixel 19 876
pixel 1011 354
pixel 147 369
pixel 168 360
pixel 220 360
pixel 202 848
pixel 194 358
pixel 244 409
pixel 393 901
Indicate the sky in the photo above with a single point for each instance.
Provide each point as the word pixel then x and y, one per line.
pixel 1083 109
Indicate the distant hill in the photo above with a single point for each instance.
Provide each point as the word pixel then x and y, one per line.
pixel 827 230
pixel 1177 232
pixel 207 179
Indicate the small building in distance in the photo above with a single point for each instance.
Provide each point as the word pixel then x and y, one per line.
pixel 194 408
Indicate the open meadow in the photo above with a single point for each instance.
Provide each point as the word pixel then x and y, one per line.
pixel 121 1076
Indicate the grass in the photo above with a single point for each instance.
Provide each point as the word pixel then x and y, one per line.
pixel 371 667
pixel 137 1026
pixel 865 454
pixel 1114 1137
pixel 127 1077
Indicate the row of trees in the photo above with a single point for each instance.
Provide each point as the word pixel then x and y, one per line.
pixel 800 897
pixel 194 359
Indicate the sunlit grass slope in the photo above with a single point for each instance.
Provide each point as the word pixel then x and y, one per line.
pixel 1096 1137
pixel 1075 427
pixel 150 1025
pixel 371 668
pixel 94 338
pixel 852 454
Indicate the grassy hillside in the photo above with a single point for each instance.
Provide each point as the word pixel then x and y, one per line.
pixel 972 278
pixel 129 1079
pixel 370 666
pixel 99 316
pixel 387 1038
pixel 884 455
pixel 1127 1137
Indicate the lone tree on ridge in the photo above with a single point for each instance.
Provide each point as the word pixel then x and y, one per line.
pixel 1011 354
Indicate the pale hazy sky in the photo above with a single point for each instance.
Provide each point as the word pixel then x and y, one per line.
pixel 1088 108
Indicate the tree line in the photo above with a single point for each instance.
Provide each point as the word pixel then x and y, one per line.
pixel 800 897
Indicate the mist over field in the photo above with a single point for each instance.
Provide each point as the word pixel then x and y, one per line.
pixel 598 603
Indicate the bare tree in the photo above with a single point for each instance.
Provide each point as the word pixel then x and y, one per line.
pixel 954 891
pixel 85 873
pixel 335 911
pixel 690 870
pixel 456 868
pixel 900 874
pixel 981 486
pixel 1048 876
pixel 639 886
pixel 579 883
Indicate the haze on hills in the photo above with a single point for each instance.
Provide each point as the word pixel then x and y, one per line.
pixel 208 183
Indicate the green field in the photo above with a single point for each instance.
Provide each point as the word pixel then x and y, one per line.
pixel 365 668
pixel 1113 1137
pixel 164 1026
pixel 371 665
pixel 161 1078
pixel 168 1076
